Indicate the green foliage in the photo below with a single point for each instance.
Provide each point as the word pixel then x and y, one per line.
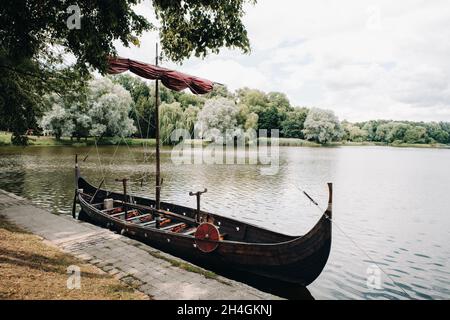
pixel 108 107
pixel 188 99
pixel 199 27
pixel 30 27
pixel 280 101
pixel 58 121
pixel 353 132
pixel 218 119
pixel 73 114
pixel 322 126
pixel 439 132
pixel 190 118
pixel 293 125
pixel 271 109
pixel 407 132
pixel 34 36
pixel 415 134
pixel 171 118
pixel 143 110
pixel 101 110
pixel 219 91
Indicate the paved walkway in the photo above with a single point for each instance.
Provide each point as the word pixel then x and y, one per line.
pixel 128 260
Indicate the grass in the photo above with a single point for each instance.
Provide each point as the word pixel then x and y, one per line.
pixel 5 139
pixel 188 267
pixel 291 142
pixel 32 269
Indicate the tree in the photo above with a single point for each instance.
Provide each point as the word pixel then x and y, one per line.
pixel 436 132
pixel 35 35
pixel 352 132
pixel 218 119
pixel 252 97
pixel 33 38
pixel 293 125
pixel 189 99
pixel 280 101
pixel 81 121
pixel 74 107
pixel 416 134
pixel 397 131
pixel 219 91
pixel 371 128
pixel 322 126
pixel 109 106
pixel 190 118
pixel 247 119
pixel 382 132
pixel 143 112
pixel 171 118
pixel 57 121
pixel 100 110
pixel 446 127
pixel 199 27
pixel 271 109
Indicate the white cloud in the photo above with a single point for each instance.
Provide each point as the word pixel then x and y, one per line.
pixel 362 59
pixel 231 73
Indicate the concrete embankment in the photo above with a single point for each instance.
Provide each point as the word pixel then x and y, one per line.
pixel 155 273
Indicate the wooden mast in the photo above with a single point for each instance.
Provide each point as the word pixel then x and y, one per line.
pixel 158 164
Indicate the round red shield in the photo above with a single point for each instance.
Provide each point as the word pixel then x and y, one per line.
pixel 207 237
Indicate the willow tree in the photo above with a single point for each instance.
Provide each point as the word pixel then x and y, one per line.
pixel 171 116
pixel 322 126
pixel 35 36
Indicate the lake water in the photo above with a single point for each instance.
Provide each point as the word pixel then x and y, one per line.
pixel 391 205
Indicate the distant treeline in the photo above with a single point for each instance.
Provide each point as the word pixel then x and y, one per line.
pixel 123 106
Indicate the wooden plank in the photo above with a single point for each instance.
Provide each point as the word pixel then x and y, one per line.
pixel 137 217
pixel 147 223
pixel 161 212
pixel 172 226
pixel 189 232
pixel 117 214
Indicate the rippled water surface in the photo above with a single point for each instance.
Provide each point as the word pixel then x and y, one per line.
pixel 390 205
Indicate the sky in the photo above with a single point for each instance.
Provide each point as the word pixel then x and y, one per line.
pixel 362 59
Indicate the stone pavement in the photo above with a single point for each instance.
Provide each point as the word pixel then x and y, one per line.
pixel 139 265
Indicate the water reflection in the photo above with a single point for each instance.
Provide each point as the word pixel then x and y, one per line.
pixel 392 202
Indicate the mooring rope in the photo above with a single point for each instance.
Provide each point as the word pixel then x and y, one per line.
pixel 351 239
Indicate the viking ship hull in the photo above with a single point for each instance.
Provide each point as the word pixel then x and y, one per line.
pixel 242 246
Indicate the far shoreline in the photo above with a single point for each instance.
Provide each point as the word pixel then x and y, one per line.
pixel 49 141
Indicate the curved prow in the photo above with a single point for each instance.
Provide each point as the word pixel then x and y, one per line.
pixel 329 210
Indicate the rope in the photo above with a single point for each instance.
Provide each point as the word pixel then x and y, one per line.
pixel 351 239
pixel 100 161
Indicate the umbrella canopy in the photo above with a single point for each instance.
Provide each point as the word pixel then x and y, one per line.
pixel 170 78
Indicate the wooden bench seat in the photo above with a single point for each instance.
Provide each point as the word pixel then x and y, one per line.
pixel 172 226
pixel 137 217
pixel 147 223
pixel 189 232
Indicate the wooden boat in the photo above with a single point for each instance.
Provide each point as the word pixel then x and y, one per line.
pixel 202 237
pixel 238 244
